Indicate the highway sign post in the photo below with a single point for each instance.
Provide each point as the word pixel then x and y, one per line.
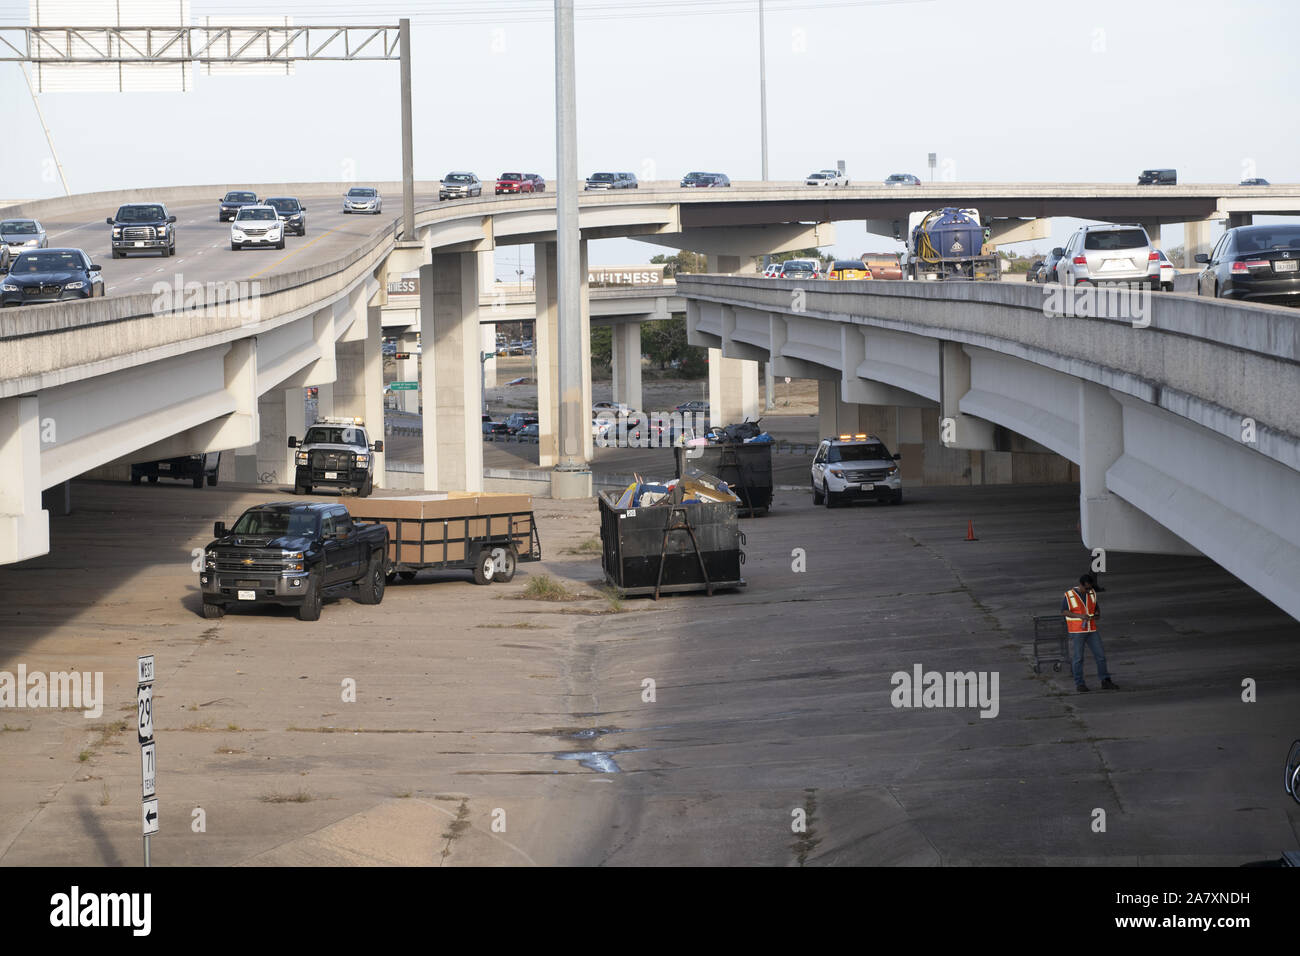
pixel 148 763
pixel 404 386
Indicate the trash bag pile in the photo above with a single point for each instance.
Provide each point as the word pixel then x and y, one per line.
pixel 695 489
pixel 743 433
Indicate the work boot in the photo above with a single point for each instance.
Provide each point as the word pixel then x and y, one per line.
pixel 1081 688
pixel 1109 684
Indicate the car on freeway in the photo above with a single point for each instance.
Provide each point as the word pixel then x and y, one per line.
pixel 772 271
pixel 1255 263
pixel 142 227
pixel 696 407
pixel 529 433
pixel 388 347
pixel 257 226
pixel 19 235
pixel 232 202
pixel 1158 177
pixel 705 181
pixel 1031 274
pixel 1048 273
pixel 459 185
pixel 513 183
pixel 611 181
pixel 336 453
pixel 826 177
pixel 492 430
pixel 600 429
pixel 849 269
pixel 1256 181
pixel 539 184
pixel 611 408
pixel 293 554
pixel 516 421
pixel 192 468
pixel 1167 272
pixel 883 265
pixel 51 275
pixel 291 212
pixel 1107 253
pixel 363 199
pixel 903 179
pixel 801 269
pixel 854 468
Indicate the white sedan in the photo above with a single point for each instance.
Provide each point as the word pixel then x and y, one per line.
pixel 1167 272
pixel 256 226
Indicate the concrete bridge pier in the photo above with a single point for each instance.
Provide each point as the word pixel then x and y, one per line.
pixel 408 370
pixel 449 373
pixel 733 382
pixel 625 343
pixel 359 378
pixel 24 526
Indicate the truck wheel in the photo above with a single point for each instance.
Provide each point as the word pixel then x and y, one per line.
pixel 364 490
pixel 117 254
pixel 198 482
pixel 299 489
pixel 235 247
pixel 504 563
pixel 818 497
pixel 371 587
pixel 897 499
pixel 484 567
pixel 212 481
pixel 309 609
pixel 212 611
pixel 831 501
pixel 280 244
pixel 153 479
pixel 135 479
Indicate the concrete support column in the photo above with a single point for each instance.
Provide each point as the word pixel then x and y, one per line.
pixel 295 423
pixel 733 383
pixel 272 458
pixel 546 342
pixel 957 430
pixel 1106 520
pixel 359 382
pixel 453 435
pixel 1153 232
pixel 24 526
pixel 625 340
pixel 1236 219
pixel 1196 240
pixel 408 370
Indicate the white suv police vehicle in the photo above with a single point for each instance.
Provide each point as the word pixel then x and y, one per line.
pixel 855 467
pixel 336 452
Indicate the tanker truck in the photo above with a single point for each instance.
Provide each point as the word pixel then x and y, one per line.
pixel 949 243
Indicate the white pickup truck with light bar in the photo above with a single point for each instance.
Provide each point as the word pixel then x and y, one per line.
pixel 335 452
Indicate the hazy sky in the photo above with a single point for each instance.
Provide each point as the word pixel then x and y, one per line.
pixel 1014 92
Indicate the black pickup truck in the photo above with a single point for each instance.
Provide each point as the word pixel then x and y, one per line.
pixel 293 554
pixel 143 227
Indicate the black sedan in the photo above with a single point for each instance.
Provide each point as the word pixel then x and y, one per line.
pixel 229 205
pixel 1258 263
pixel 1031 274
pixel 51 275
pixel 1048 272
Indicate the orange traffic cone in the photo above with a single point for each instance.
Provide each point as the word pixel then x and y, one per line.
pixel 970 531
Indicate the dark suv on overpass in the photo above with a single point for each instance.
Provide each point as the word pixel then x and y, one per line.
pixel 143 227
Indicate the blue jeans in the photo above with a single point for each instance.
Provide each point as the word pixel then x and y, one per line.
pixel 1093 640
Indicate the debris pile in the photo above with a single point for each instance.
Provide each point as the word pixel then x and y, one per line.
pixel 742 433
pixel 696 489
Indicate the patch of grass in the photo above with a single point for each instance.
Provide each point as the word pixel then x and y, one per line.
pixel 404 795
pixel 613 598
pixel 590 546
pixel 105 798
pixel 227 749
pixel 193 707
pixel 520 626
pixel 85 755
pixel 199 725
pixel 275 796
pixel 13 730
pixel 546 588
pixel 108 731
pixel 235 728
pixel 355 730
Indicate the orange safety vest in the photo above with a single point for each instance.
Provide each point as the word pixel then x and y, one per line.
pixel 1081 615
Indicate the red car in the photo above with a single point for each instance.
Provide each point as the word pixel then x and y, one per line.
pixel 514 183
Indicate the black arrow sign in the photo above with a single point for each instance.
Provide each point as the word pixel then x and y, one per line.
pixel 150 816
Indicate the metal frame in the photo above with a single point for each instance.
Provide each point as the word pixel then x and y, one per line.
pixel 184 44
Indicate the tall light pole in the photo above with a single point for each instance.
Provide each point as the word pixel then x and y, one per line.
pixel 408 160
pixel 571 478
pixel 762 84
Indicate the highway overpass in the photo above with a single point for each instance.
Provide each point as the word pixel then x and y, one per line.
pixel 1182 415
pixel 88 383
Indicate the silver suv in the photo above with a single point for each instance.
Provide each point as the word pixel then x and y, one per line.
pixel 1108 253
pixel 855 467
pixel 459 185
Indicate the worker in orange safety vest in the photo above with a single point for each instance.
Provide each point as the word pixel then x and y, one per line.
pixel 1081 612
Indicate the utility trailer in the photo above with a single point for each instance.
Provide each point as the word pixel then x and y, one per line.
pixel 487 534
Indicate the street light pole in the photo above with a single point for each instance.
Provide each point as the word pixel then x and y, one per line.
pixel 762 84
pixel 408 156
pixel 568 247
